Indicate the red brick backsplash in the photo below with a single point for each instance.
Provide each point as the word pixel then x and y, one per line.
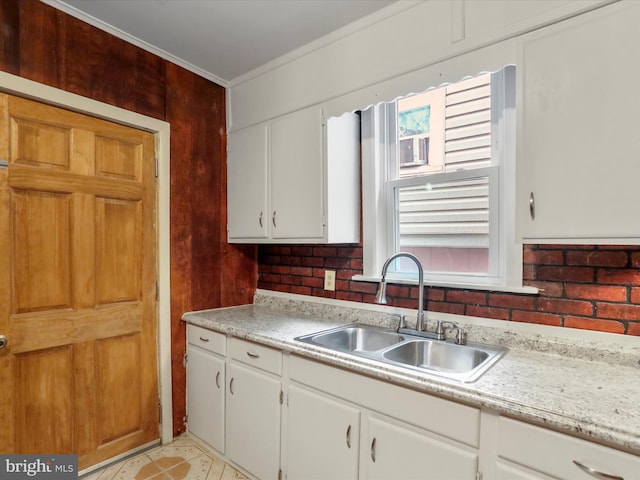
pixel 581 286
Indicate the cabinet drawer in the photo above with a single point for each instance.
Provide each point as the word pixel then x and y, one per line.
pixel 554 453
pixel 259 356
pixel 207 339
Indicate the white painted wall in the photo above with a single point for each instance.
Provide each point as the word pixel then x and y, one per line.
pixel 407 47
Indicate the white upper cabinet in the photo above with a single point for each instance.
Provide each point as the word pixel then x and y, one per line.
pixel 295 180
pixel 247 183
pixel 297 175
pixel 578 144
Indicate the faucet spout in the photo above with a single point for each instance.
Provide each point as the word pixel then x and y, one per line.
pixel 381 293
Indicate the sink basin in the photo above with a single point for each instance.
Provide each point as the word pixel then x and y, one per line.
pixel 354 339
pixel 446 357
pixel 465 363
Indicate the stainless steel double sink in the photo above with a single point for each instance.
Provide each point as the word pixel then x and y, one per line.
pixel 465 363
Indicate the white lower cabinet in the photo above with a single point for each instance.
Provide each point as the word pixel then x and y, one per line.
pixel 395 450
pixel 254 395
pixel 402 434
pixel 205 385
pixel 548 454
pixel 323 436
pixel 340 425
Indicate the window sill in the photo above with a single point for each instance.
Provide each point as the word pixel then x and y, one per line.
pixel 463 286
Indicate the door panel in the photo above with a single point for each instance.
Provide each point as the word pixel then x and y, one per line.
pixel 40 144
pixel 77 292
pixel 44 399
pixel 118 250
pixel 117 359
pixel 41 251
pixel 118 159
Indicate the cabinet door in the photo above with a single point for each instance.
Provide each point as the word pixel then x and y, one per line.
pixel 205 397
pixel 393 450
pixel 297 175
pixel 253 421
pixel 322 437
pixel 247 183
pixel 578 147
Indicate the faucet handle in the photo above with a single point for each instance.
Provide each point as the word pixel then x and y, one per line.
pixel 400 319
pixel 440 330
pixel 460 334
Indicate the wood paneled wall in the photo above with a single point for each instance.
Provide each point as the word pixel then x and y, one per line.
pixel 43 44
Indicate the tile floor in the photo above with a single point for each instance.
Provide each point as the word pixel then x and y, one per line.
pixel 184 459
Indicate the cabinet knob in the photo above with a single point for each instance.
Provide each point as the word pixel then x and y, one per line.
pixel 348 436
pixel 373 450
pixel 231 386
pixel 273 218
pixel 532 206
pixel 218 379
pixel 260 219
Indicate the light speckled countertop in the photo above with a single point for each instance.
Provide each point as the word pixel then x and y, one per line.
pixel 577 387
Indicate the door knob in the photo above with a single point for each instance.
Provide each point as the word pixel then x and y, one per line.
pixel 3 341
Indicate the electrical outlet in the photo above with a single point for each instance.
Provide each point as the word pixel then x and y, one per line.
pixel 329 279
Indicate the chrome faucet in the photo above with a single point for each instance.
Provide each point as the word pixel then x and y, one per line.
pixel 421 326
pixel 382 287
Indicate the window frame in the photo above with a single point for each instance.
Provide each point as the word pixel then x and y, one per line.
pixel 505 267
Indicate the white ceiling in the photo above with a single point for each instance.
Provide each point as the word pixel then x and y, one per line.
pixel 220 39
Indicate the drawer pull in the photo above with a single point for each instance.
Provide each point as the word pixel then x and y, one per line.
pixel 349 436
pixel 218 379
pixel 253 355
pixel 231 386
pixel 596 473
pixel 373 450
pixel 204 339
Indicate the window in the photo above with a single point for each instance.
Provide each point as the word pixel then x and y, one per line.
pixel 439 182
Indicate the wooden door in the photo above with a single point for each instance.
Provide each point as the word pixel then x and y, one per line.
pixel 77 284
